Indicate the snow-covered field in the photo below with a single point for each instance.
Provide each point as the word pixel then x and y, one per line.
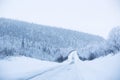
pixel 24 68
pixel 15 68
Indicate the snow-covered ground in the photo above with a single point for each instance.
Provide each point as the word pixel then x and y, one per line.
pixel 15 68
pixel 24 68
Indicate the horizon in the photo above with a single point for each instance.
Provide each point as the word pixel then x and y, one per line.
pixel 94 17
pixel 48 26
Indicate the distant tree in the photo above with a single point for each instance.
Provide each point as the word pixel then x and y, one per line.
pixel 91 56
pixel 23 43
pixel 7 52
pixel 114 39
pixel 61 58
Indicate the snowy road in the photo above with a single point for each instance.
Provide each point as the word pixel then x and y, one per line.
pixel 61 72
pixel 68 71
pixel 48 71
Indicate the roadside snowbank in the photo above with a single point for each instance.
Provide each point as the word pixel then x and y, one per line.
pixel 104 68
pixel 19 67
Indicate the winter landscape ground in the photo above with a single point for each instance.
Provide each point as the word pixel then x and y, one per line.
pixel 30 51
pixel 24 68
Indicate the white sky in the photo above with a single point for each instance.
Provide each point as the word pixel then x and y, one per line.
pixel 91 16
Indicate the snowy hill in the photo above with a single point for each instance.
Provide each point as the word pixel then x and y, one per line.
pixel 41 42
pixel 24 68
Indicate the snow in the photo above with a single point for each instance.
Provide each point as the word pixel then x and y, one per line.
pixel 19 67
pixel 24 68
pixel 73 57
pixel 104 68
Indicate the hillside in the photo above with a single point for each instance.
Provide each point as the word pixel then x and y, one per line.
pixel 39 41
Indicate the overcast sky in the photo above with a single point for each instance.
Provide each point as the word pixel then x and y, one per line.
pixel 91 16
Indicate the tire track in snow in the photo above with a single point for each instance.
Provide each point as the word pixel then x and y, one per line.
pixel 45 72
